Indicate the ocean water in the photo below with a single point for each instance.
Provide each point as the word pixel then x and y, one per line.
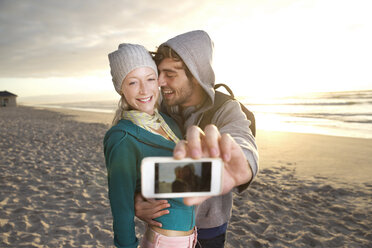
pixel 99 106
pixel 347 114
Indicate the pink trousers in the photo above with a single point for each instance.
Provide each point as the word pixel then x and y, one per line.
pixel 152 239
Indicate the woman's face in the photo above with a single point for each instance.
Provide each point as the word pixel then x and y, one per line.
pixel 141 89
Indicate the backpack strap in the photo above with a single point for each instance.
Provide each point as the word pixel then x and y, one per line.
pixel 219 99
pixel 226 88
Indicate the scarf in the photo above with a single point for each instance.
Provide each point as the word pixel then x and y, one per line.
pixel 150 122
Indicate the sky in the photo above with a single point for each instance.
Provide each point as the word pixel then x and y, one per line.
pixel 58 49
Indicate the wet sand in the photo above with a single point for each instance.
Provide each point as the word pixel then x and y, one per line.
pixel 312 190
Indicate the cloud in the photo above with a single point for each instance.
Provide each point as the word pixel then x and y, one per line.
pixel 52 38
pixel 71 38
pixel 286 43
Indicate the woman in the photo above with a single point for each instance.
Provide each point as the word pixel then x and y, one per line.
pixel 139 131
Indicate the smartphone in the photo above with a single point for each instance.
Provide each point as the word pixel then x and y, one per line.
pixel 165 177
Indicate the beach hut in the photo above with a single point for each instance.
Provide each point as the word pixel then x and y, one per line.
pixel 7 99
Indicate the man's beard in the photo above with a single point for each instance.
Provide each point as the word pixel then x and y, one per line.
pixel 183 97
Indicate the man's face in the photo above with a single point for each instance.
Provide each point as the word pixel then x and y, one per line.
pixel 176 88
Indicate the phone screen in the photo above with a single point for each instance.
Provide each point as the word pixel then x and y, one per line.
pixel 182 177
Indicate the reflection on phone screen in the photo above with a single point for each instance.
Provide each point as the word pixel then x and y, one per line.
pixel 182 177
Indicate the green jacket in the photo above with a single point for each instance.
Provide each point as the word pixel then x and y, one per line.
pixel 125 145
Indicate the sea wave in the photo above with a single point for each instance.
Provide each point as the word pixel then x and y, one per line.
pixel 340 114
pixel 363 118
pixel 306 103
pixel 329 114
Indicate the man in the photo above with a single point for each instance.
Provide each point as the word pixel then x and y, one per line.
pixel 186 78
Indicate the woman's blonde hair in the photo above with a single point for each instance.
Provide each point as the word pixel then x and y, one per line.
pixel 122 106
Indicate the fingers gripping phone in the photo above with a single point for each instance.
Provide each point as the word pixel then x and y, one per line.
pixel 165 177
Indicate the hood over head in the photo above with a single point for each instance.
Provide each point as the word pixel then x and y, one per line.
pixel 196 50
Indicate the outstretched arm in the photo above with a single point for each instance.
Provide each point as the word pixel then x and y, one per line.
pixel 211 143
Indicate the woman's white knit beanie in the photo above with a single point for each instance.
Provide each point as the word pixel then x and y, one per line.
pixel 127 58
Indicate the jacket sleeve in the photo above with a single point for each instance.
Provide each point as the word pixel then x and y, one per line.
pixel 231 119
pixel 122 177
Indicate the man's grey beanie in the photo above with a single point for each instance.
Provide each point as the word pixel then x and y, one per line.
pixel 196 50
pixel 127 58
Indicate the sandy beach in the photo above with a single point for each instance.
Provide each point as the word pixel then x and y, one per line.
pixel 311 191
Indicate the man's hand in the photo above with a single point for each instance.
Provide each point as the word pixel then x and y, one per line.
pixel 149 209
pixel 211 143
